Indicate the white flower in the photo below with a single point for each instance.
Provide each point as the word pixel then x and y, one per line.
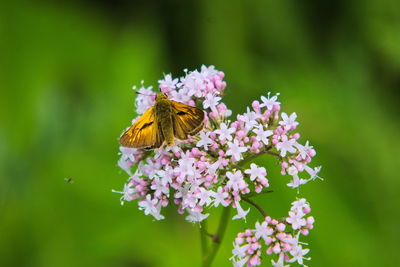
pixel 125 165
pixel 145 99
pixel 195 216
pixel 185 166
pixel 296 181
pixel 167 84
pixel 241 213
pixel 151 206
pixel 193 83
pixel 269 102
pixel 256 172
pixel 219 197
pixel 211 102
pixel 204 196
pixel 299 204
pixel 235 150
pixel 205 140
pixel 262 135
pixel 250 119
pixel 240 262
pixel 292 170
pixel 280 262
pixel 165 175
pixel 209 71
pixel 286 146
pixel 180 95
pixel 127 193
pixel 303 150
pixel 189 200
pixel 238 251
pixel 212 168
pixel 262 230
pixel 288 122
pixel 298 252
pixel 296 220
pixel 159 187
pixel 313 172
pixel 236 181
pixel 224 132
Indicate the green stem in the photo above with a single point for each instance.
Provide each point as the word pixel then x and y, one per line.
pixel 251 157
pixel 258 207
pixel 203 238
pixel 218 237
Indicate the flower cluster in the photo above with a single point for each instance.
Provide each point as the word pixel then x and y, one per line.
pixel 280 237
pixel 212 168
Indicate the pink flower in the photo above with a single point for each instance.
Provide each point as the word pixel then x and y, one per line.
pixel 289 122
pixel 286 145
pixel 168 84
pixel 235 181
pixel 235 150
pixel 256 172
pixel 224 132
pixel 208 170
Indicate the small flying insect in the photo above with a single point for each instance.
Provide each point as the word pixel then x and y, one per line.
pixel 69 180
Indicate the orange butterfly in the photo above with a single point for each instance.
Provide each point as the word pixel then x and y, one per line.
pixel 163 122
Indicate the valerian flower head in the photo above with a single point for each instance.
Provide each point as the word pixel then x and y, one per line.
pixel 214 167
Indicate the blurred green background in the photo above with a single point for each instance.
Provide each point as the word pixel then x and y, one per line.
pixel 66 72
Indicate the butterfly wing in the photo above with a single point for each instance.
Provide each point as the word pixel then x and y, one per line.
pixel 186 120
pixel 144 133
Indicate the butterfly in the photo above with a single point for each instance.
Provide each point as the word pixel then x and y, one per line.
pixel 162 123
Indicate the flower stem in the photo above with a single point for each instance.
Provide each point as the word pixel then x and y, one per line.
pixel 251 157
pixel 258 207
pixel 203 238
pixel 218 238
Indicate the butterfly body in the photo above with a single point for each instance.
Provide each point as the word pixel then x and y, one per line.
pixel 163 110
pixel 162 123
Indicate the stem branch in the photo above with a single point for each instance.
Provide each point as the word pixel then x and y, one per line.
pixel 218 237
pixel 203 238
pixel 258 207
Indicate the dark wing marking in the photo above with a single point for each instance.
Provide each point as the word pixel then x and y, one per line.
pixel 144 133
pixel 187 120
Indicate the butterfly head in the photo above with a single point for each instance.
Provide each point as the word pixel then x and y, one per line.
pixel 161 96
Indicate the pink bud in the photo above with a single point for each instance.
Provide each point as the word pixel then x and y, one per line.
pixel 240 134
pixel 311 152
pixel 280 236
pixel 254 261
pixel 304 231
pixel 307 210
pixel 256 105
pixel 280 227
pixel 277 248
pixel 239 240
pixel 268 240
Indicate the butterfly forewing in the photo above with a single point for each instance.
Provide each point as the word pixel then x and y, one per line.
pixel 144 133
pixel 186 120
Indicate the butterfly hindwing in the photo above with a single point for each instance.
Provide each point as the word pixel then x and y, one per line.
pixel 186 120
pixel 144 133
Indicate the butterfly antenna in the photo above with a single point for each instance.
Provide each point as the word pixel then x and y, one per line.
pixel 139 93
